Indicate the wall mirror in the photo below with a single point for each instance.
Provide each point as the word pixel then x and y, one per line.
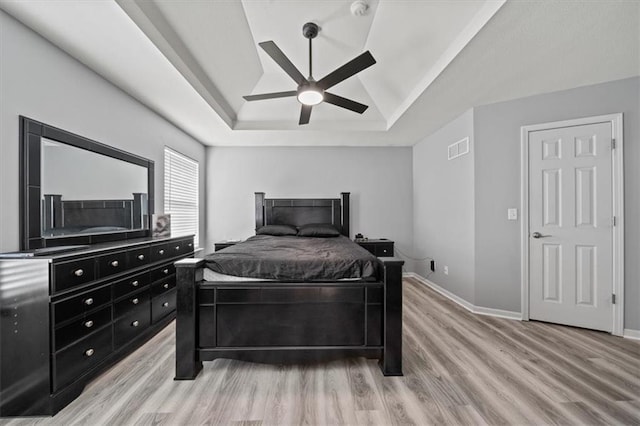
pixel 78 191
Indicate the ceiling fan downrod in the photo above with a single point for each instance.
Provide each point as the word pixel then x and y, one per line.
pixel 310 31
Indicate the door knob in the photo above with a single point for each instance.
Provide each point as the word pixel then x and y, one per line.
pixel 539 235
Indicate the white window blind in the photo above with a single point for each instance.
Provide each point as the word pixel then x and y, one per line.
pixel 181 193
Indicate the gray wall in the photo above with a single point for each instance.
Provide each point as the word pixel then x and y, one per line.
pixel 40 81
pixel 497 183
pixel 443 208
pixel 379 180
pixel 460 207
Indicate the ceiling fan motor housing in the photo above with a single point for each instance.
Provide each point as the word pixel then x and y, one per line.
pixel 310 30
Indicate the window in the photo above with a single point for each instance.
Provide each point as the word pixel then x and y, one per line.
pixel 181 193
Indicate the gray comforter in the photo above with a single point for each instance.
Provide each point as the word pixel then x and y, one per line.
pixel 293 258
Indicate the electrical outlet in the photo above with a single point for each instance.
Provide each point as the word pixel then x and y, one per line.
pixel 445 270
pixel 433 266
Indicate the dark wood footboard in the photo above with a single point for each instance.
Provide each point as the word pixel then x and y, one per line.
pixel 273 322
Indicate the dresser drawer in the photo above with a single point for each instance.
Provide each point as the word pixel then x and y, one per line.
pixel 81 304
pixel 384 250
pixel 131 303
pixel 163 285
pixel 176 248
pixel 80 357
pixel 379 248
pixel 138 257
pixel 162 272
pixel 161 252
pixel 123 287
pixel 187 246
pixel 132 324
pixel 70 274
pixel 162 305
pixel 112 263
pixel 82 327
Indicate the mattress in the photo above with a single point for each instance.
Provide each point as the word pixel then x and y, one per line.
pixel 292 258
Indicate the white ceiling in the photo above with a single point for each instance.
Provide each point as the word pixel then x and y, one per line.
pixel 191 61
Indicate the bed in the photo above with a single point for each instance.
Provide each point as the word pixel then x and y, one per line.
pixel 287 317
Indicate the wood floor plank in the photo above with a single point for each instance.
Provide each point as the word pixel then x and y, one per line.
pixel 460 369
pixel 467 415
pixel 371 417
pixel 152 419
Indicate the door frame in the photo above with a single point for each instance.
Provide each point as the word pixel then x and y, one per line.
pixel 618 210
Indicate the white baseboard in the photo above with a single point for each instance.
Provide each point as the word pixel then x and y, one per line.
pixel 630 333
pixel 480 310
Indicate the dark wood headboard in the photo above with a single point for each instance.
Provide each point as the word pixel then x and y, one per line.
pixel 302 211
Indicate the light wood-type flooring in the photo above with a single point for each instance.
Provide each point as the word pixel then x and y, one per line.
pixel 460 368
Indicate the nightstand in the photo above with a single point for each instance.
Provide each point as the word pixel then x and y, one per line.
pixel 380 248
pixel 224 244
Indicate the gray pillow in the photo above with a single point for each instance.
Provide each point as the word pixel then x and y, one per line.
pixel 322 230
pixel 277 230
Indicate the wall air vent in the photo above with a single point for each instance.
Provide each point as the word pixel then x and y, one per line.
pixel 458 149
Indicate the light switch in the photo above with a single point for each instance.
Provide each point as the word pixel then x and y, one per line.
pixel 512 214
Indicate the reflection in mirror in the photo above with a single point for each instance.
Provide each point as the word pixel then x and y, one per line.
pixel 84 192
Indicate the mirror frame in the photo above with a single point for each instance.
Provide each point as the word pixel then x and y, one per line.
pixel 31 133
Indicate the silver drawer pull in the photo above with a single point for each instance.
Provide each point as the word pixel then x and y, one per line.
pixel 165 271
pixel 89 352
pixel 78 272
pixel 135 323
pixel 135 283
pixel 115 263
pixel 88 324
pixel 165 304
pixel 135 301
pixel 141 257
pixel 165 285
pixel 177 248
pixel 88 301
pixel 161 252
pixel 190 244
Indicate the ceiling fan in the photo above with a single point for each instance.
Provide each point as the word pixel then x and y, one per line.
pixel 311 92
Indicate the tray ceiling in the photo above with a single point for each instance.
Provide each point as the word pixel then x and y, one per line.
pixel 192 61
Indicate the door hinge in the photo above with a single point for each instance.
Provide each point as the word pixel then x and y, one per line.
pixel 613 299
pixel 614 221
pixel 613 144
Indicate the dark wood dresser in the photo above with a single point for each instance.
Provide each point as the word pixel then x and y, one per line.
pixel 65 318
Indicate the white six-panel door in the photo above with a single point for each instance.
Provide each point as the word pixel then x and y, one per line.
pixel 570 226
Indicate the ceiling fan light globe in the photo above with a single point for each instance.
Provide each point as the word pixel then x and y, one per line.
pixel 310 97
